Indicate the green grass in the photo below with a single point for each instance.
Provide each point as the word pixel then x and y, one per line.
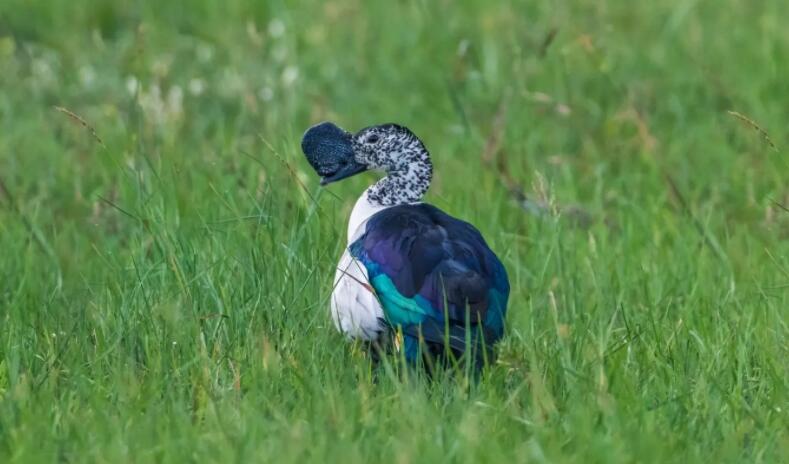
pixel 164 293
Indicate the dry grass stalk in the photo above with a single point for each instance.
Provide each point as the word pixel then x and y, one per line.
pixel 82 122
pixel 751 123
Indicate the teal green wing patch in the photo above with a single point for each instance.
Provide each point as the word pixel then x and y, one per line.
pixel 399 310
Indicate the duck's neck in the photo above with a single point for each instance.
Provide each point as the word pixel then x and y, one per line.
pixel 400 187
pixel 406 182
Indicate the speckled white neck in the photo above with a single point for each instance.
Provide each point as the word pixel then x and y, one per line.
pixel 397 152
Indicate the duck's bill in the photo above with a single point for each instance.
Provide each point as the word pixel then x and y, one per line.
pixel 350 169
pixel 329 150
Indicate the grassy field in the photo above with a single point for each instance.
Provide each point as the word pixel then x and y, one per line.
pixel 168 254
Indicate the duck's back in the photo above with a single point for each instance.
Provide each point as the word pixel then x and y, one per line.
pixel 434 275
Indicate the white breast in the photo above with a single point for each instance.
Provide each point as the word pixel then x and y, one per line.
pixel 354 307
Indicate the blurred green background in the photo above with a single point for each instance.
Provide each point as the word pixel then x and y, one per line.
pixel 167 252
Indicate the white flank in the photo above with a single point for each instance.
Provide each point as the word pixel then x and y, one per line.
pixel 354 306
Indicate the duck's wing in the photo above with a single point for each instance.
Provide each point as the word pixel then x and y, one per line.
pixel 434 274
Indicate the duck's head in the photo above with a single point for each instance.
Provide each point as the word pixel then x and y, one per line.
pixel 336 154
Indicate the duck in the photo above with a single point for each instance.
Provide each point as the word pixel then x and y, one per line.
pixel 410 272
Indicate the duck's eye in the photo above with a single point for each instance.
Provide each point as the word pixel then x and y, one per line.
pixel 372 139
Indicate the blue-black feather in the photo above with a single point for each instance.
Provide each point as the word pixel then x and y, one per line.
pixel 436 277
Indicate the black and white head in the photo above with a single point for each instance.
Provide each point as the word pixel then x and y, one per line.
pixel 336 154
